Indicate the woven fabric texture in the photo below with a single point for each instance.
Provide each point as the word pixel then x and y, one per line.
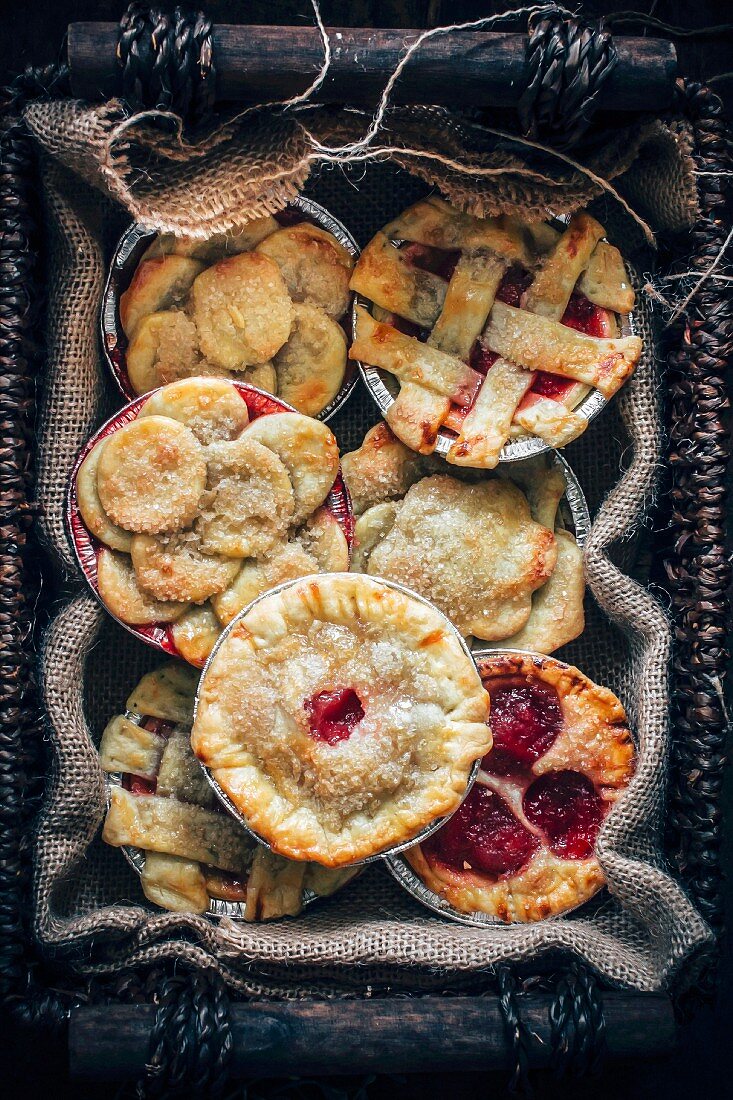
pixel 89 906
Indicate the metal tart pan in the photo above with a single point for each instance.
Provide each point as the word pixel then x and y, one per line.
pixel 384 387
pixel 129 251
pixel 87 548
pixel 234 810
pixel 410 881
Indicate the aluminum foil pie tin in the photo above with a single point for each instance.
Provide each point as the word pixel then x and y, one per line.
pixel 136 856
pixel 137 239
pixel 237 813
pixel 409 879
pixel 87 548
pixel 384 388
pixel 573 508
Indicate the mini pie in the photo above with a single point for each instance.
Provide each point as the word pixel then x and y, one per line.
pixel 193 503
pixel 491 554
pixel 262 303
pixel 342 717
pixel 194 852
pixel 523 845
pixel 492 328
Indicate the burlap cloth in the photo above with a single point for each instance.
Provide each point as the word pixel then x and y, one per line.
pixel 89 907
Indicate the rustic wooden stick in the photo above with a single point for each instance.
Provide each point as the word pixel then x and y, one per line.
pixel 404 1035
pixel 256 64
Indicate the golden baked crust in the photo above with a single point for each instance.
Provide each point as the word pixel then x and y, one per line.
pixel 309 452
pixel 173 567
pixel 310 366
pixel 156 285
pixel 90 505
pixel 242 310
pixel 474 550
pixel 195 633
pixel 118 588
pixel 407 759
pixel 474 372
pixel 382 468
pixel 594 741
pixel 316 268
pixel 211 407
pixel 151 474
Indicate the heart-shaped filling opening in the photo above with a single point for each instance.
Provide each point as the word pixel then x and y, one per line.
pixel 525 719
pixel 484 836
pixel 333 715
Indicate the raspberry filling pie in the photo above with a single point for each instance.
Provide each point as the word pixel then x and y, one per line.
pixel 191 855
pixel 341 716
pixel 523 844
pixel 492 328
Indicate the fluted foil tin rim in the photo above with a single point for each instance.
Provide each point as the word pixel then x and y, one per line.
pixel 234 810
pixel 575 497
pixel 136 856
pixel 409 879
pixel 125 259
pixel 515 450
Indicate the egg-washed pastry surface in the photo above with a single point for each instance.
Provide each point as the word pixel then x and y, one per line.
pixel 522 845
pixel 342 717
pixel 490 552
pixel 195 855
pixel 199 511
pixel 261 304
pixel 493 328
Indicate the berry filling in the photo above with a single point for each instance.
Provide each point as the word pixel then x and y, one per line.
pixel 484 836
pixel 136 784
pixel 525 719
pixel 333 715
pixel 583 316
pixel 566 806
pixel 439 261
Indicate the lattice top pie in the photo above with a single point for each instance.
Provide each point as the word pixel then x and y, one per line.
pixel 194 853
pixel 492 327
pixel 523 844
pixel 342 717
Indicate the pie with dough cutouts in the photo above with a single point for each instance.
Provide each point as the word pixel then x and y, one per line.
pixel 522 847
pixel 262 302
pixel 492 329
pixel 490 551
pixel 195 855
pixel 211 510
pixel 341 717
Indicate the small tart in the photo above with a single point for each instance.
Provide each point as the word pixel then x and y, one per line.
pixel 310 366
pixel 242 310
pixel 249 501
pixel 156 285
pixel 309 452
pixel 341 717
pixel 211 407
pixel 123 596
pixel 195 634
pixel 151 475
pixel 90 506
pixel 474 550
pixel 522 846
pixel 173 567
pixel 316 268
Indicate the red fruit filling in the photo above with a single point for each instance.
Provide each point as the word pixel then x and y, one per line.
pixel 439 261
pixel 333 715
pixel 484 835
pixel 482 358
pixel 513 286
pixel 135 784
pixel 566 806
pixel 525 719
pixel 583 316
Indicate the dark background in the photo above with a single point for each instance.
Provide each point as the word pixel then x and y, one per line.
pixel 32 32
